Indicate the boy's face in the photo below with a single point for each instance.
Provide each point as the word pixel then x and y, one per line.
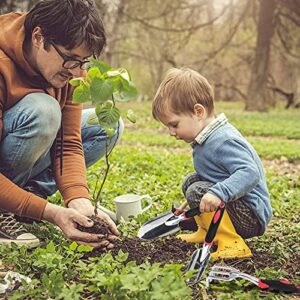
pixel 183 126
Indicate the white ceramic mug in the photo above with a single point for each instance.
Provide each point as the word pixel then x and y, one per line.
pixel 130 205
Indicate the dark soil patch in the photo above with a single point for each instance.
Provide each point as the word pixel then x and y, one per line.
pixel 167 250
pixel 173 250
pixel 99 227
pixel 262 260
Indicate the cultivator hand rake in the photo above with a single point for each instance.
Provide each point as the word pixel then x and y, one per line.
pixel 227 273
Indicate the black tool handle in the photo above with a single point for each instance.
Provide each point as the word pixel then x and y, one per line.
pixel 214 225
pixel 279 285
pixel 192 212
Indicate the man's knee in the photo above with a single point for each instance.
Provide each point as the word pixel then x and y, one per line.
pixel 119 129
pixel 96 142
pixel 45 115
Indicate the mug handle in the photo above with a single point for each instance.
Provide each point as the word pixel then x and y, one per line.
pixel 149 198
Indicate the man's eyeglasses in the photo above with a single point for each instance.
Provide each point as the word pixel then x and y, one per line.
pixel 71 62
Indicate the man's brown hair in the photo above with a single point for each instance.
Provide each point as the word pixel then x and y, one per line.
pixel 180 90
pixel 68 23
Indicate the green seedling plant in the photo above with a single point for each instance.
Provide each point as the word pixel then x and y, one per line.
pixel 104 87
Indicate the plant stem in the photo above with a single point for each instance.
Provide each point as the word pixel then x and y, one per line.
pixel 107 154
pixel 104 178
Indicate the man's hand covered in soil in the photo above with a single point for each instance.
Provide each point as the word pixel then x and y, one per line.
pixel 85 207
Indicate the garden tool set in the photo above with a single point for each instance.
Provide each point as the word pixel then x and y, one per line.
pixel 215 226
pixel 226 273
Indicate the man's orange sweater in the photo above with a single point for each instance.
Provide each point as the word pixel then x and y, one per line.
pixel 17 79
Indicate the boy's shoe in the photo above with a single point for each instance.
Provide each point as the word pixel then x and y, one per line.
pixel 230 243
pixel 12 231
pixel 196 237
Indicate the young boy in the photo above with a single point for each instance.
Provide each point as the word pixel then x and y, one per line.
pixel 227 167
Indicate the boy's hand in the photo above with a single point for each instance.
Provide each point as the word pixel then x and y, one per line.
pixel 181 208
pixel 209 202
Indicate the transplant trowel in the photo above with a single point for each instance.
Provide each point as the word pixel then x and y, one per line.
pixel 167 224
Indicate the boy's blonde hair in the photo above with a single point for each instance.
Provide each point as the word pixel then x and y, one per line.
pixel 179 91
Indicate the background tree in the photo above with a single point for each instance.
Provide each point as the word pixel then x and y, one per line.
pixel 248 49
pixel 256 97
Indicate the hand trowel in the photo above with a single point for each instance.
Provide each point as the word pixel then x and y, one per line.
pixel 165 224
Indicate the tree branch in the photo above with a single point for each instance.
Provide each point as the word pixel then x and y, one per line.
pixel 288 96
pixel 227 41
pixel 232 87
pixel 190 28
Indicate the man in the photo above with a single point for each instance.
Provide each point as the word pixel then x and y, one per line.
pixel 44 145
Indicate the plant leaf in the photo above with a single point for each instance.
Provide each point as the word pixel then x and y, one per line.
pixel 81 94
pixel 127 94
pixel 101 89
pixel 110 131
pixel 131 116
pixel 108 117
pixel 101 65
pixel 92 119
pixel 93 72
pixel 73 246
pixel 76 81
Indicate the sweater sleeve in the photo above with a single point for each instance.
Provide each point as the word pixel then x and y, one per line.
pixel 72 182
pixel 13 198
pixel 2 97
pixel 239 163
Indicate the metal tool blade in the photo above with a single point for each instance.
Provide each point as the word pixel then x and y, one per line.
pixel 156 227
pixel 196 264
pixel 183 216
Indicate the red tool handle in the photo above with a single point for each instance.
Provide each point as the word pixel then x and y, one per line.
pixel 279 285
pixel 214 225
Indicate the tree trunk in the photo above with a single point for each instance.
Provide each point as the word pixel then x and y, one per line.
pixel 256 97
pixel 296 80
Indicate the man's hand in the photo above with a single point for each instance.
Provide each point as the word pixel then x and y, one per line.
pixel 209 202
pixel 68 218
pixel 85 207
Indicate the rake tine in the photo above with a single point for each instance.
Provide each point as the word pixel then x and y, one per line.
pixel 225 274
pixel 221 278
pixel 224 268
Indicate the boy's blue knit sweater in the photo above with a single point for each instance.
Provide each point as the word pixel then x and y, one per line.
pixel 228 160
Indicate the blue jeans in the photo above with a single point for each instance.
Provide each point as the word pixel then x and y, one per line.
pixel 29 131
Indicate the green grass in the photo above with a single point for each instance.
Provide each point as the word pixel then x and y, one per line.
pixel 149 161
pixel 267 147
pixel 279 122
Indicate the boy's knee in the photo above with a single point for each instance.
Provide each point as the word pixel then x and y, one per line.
pixel 187 182
pixel 192 196
pixel 196 191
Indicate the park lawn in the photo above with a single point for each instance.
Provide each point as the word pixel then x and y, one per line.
pixel 277 122
pixel 148 161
